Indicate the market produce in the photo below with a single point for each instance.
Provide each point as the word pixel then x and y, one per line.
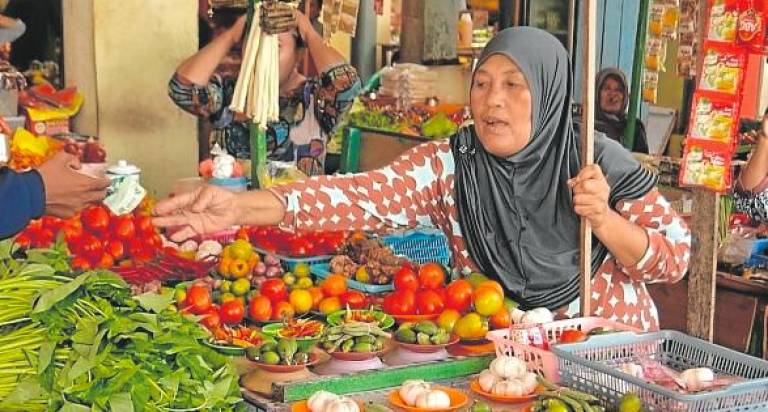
pixel 691 380
pixel 364 316
pixel 88 150
pixel 411 389
pixel 354 337
pixel 82 342
pixel 555 398
pixel 537 315
pixel 28 151
pixel 323 401
pixel 240 336
pixel 379 261
pixel 422 333
pixel 422 395
pixel 283 352
pixel 471 326
pixel 274 240
pixel 301 328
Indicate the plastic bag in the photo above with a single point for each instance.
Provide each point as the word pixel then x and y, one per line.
pixel 737 247
pixel 275 173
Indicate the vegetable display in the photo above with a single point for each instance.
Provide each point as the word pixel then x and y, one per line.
pixel 354 337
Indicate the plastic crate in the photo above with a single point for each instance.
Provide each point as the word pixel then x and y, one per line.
pixel 322 271
pixel 420 246
pixel 590 366
pixel 290 262
pixel 542 360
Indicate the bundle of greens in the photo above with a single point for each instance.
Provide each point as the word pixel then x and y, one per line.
pixel 83 343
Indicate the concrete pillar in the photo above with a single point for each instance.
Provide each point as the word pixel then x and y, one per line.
pixel 364 42
pixel 121 54
pixel 429 31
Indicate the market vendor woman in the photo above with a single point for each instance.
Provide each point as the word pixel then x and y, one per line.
pixel 508 191
pixel 310 108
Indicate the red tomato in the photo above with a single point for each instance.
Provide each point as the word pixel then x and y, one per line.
pixel 198 299
pixel 431 275
pixel 95 218
pixel 399 303
pixel 572 336
pixel 274 289
pixel 406 279
pixel 355 299
pixel 23 240
pixel 81 263
pixel 144 225
pixel 458 295
pixel 211 319
pixel 72 231
pixel 51 222
pixel 232 311
pixel 429 302
pixel 90 247
pixel 123 227
pixel 115 248
pixel 153 242
pixel 260 309
pixel 106 261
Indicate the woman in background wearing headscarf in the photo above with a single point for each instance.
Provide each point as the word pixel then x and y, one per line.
pixel 508 192
pixel 611 111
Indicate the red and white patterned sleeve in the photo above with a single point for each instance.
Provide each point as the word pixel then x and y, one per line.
pixel 669 239
pixel 404 194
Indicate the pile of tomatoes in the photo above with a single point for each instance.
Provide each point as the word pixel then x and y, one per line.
pixel 96 238
pixel 274 240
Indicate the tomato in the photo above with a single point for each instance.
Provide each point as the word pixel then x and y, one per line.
pixel 488 300
pixel 81 263
pixel 354 299
pixel 260 309
pixel 282 310
pixel 143 225
pixel 211 319
pixel 471 326
pixel 106 261
pixel 96 218
pixel 406 279
pixel 458 295
pixel 242 233
pixel 572 336
pixel 51 222
pixel 198 299
pixel 123 227
pixel 274 289
pixel 500 319
pixel 431 276
pixel 90 247
pixel 400 303
pixel 317 296
pixel 153 241
pixel 23 240
pixel 429 302
pixel 232 311
pixel 492 283
pixel 335 285
pixel 115 248
pixel 447 320
pixel 72 231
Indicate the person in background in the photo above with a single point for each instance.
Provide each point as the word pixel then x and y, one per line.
pixel 310 107
pixel 44 31
pixel 611 112
pixel 10 29
pixel 751 194
pixel 55 188
pixel 508 192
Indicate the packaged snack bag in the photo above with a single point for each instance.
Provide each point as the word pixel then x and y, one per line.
pixel 706 164
pixel 751 33
pixel 723 19
pixel 650 86
pixel 722 69
pixel 714 118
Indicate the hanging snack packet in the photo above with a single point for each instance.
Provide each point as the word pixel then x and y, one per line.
pixel 722 68
pixel 751 26
pixel 655 20
pixel 650 86
pixel 669 21
pixel 706 165
pixel 723 18
pixel 655 54
pixel 714 118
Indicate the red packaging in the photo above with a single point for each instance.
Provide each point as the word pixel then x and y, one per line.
pixel 714 118
pixel 750 33
pixel 722 68
pixel 723 20
pixel 706 164
pixel 531 335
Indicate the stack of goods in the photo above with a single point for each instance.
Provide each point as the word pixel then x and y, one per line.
pixel 408 83
pixel 49 110
pixel 367 261
pixel 688 33
pixel 11 82
pixel 662 26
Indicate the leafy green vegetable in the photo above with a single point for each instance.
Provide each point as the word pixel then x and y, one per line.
pixel 439 126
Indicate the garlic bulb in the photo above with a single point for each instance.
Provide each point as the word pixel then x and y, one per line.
pixel 529 383
pixel 698 379
pixel 433 399
pixel 632 369
pixel 538 315
pixel 342 404
pixel 411 389
pixel 319 399
pixel 487 379
pixel 508 367
pixel 512 387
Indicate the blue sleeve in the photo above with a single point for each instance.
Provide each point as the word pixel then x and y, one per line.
pixel 22 198
pixel 10 34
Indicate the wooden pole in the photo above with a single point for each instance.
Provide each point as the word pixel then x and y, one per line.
pixel 587 145
pixel 702 278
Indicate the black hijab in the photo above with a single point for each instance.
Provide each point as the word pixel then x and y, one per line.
pixel 516 213
pixel 615 124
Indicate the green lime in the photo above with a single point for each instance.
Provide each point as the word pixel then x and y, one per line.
pixel 556 405
pixel 241 286
pixel 240 249
pixel 226 297
pixel 253 353
pixel 301 270
pixel 270 358
pixel 180 295
pixel 480 407
pixel 226 286
pixel 630 403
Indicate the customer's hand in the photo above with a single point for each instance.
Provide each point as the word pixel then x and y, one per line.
pixel 303 25
pixel 236 31
pixel 66 189
pixel 206 210
pixel 590 195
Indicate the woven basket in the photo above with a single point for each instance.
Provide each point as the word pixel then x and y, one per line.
pixel 228 4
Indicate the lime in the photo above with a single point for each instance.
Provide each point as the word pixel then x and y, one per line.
pixel 226 286
pixel 226 297
pixel 240 249
pixel 289 278
pixel 253 353
pixel 303 283
pixel 270 358
pixel 180 295
pixel 630 403
pixel 480 407
pixel 241 286
pixel 301 270
pixel 556 405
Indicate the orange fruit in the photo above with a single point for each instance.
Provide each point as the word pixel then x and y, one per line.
pixel 500 319
pixel 283 310
pixel 487 300
pixel 335 285
pixel 301 300
pixel 317 296
pixel 330 305
pixel 447 320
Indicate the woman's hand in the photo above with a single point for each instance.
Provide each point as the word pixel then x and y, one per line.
pixel 236 31
pixel 590 195
pixel 303 25
pixel 206 210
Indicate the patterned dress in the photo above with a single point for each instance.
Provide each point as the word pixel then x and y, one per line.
pixel 418 190
pixel 307 117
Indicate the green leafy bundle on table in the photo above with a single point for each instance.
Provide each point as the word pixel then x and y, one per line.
pixel 83 343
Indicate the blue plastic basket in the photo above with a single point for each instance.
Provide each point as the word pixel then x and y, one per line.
pixel 322 271
pixel 289 263
pixel 420 246
pixel 758 257
pixel 591 366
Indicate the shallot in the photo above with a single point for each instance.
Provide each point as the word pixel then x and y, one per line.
pixel 698 379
